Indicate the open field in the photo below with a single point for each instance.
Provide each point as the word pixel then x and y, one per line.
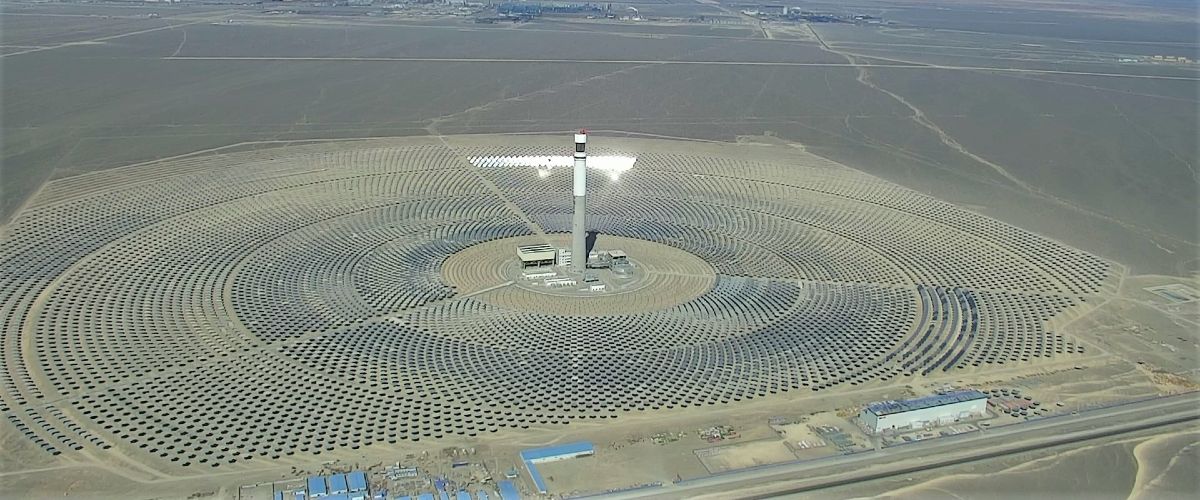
pixel 741 456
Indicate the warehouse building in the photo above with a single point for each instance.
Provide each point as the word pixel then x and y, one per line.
pixel 508 491
pixel 535 456
pixel 351 486
pixel 337 485
pixel 316 487
pixel 916 413
pixel 356 481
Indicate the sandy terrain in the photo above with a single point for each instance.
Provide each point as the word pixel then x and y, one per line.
pixel 741 456
pixel 1118 469
pixel 1147 123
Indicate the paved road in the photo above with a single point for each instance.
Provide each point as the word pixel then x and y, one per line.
pixel 1033 435
pixel 664 62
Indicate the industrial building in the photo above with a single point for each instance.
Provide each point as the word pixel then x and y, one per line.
pixel 337 485
pixel 577 259
pixel 938 409
pixel 357 481
pixel 534 456
pixel 536 255
pixel 508 491
pixel 351 486
pixel 316 487
pixel 616 260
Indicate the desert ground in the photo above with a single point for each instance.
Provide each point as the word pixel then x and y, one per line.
pixel 1106 147
pixel 1146 465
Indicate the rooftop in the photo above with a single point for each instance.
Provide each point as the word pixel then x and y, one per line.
pixel 890 407
pixel 508 491
pixel 539 251
pixel 316 485
pixel 569 449
pixel 357 481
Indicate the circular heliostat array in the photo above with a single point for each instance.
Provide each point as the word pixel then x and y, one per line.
pixel 210 310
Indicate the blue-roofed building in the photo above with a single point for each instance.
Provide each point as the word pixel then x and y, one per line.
pixel 278 495
pixel 520 9
pixel 939 409
pixel 462 495
pixel 425 496
pixel 337 484
pixel 481 495
pixel 316 487
pixel 300 495
pixel 534 456
pixel 356 481
pixel 508 491
pixel 558 452
pixel 443 495
pixel 538 482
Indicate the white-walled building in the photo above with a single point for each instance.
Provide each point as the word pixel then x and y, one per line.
pixel 938 409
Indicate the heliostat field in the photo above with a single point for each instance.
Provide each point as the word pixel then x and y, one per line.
pixel 210 310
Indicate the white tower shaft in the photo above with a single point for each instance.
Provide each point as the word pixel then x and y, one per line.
pixel 578 235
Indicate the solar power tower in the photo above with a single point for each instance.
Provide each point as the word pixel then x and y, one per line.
pixel 578 236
